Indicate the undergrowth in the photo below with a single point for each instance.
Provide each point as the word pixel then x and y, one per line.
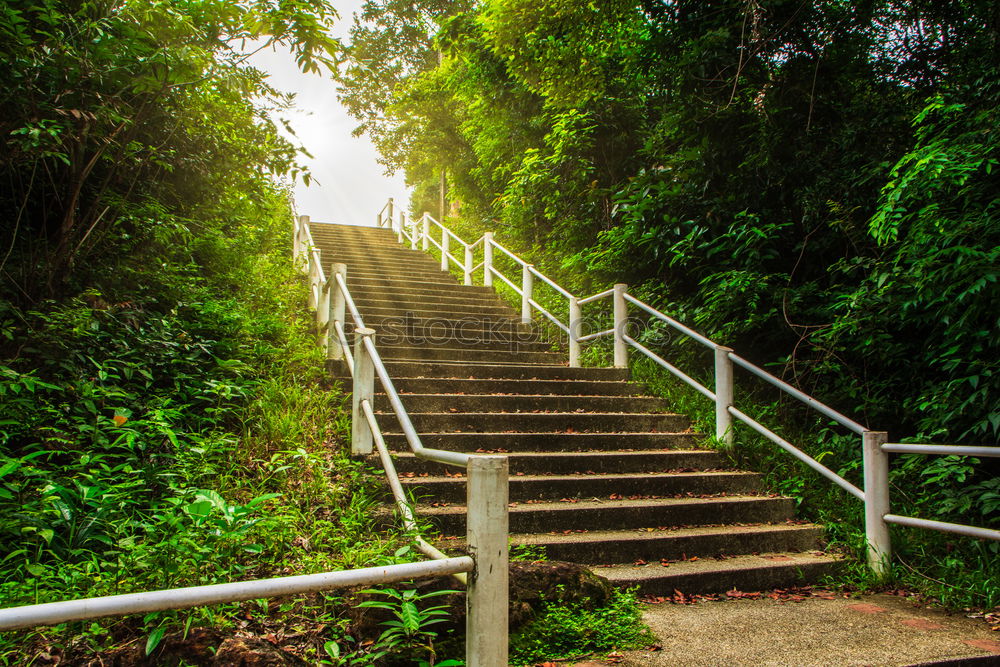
pixel 568 631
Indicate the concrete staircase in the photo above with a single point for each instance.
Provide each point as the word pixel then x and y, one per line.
pixel 601 474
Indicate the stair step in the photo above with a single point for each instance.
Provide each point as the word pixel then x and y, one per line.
pixel 467 312
pixel 403 336
pixel 554 462
pixel 417 368
pixel 746 573
pixel 472 354
pixel 404 305
pixel 502 386
pixel 355 284
pixel 542 442
pixel 543 517
pixel 419 294
pixel 476 422
pixel 606 486
pixel 478 326
pixel 524 403
pixel 656 545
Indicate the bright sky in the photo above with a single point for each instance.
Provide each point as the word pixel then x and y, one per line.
pixel 348 186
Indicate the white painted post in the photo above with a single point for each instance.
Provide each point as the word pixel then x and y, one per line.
pixel 313 279
pixel 575 323
pixel 399 228
pixel 467 279
pixel 621 320
pixel 338 307
pixel 425 236
pixel 303 250
pixel 876 475
pixel 488 259
pixel 445 245
pixel 364 389
pixel 323 313
pixel 295 239
pixel 486 597
pixel 527 289
pixel 723 395
pixel 389 217
pixel 413 234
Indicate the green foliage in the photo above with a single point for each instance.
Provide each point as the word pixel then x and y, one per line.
pixel 566 631
pixel 409 633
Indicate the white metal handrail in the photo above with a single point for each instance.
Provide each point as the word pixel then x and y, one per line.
pixel 874 448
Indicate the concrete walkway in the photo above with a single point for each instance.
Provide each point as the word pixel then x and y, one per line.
pixel 871 630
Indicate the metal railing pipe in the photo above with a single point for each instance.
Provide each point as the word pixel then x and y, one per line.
pixel 596 335
pixel 799 454
pixel 551 283
pixel 800 395
pixel 944 526
pixel 53 613
pixel 595 297
pixel 687 379
pixel 552 318
pixel 691 333
pixel 507 280
pixel 943 450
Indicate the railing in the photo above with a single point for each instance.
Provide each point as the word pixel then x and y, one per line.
pixel 486 594
pixel 875 447
pixel 486 507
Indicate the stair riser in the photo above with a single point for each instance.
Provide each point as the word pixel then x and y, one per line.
pixel 420 295
pixel 477 327
pixel 541 422
pixel 662 545
pixel 484 371
pixel 453 490
pixel 533 387
pixel 602 463
pixel 541 442
pixel 469 354
pixel 365 273
pixel 762 579
pixel 466 311
pixel 617 517
pixel 380 286
pixel 398 336
pixel 512 403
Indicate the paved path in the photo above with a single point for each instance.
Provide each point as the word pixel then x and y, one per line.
pixel 873 630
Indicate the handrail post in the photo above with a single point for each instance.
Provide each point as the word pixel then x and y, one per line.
pixel 399 226
pixel 389 207
pixel 876 475
pixel 302 249
pixel 338 307
pixel 621 319
pixel 527 288
pixel 413 234
pixel 445 245
pixel 467 278
pixel 575 317
pixel 295 239
pixel 488 259
pixel 364 390
pixel 486 598
pixel 323 312
pixel 723 395
pixel 425 235
pixel 313 278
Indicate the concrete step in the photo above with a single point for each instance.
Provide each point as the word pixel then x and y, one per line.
pixel 466 313
pixel 420 294
pixel 356 284
pixel 565 463
pixel 400 274
pixel 472 354
pixel 424 308
pixel 755 572
pixel 457 369
pixel 656 545
pixel 402 336
pixel 544 517
pixel 598 487
pixel 472 326
pixel 500 386
pixel 373 258
pixel 482 422
pixel 525 403
pixel 545 442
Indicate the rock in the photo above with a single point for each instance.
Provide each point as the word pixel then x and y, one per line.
pixel 253 652
pixel 537 582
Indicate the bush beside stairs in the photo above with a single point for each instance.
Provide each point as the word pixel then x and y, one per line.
pixel 601 474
